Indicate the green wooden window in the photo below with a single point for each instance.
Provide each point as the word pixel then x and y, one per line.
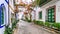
pixel 2 12
pixel 2 15
pixel 40 15
pixel 50 14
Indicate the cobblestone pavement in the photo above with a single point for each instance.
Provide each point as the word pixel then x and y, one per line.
pixel 29 28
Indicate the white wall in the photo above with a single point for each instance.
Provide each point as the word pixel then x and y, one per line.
pixel 11 11
pixel 43 9
pixel 50 4
pixel 37 9
pixel 6 16
pixel 58 11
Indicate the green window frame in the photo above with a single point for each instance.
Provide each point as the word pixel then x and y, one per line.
pixel 2 15
pixel 51 14
pixel 40 15
pixel 2 12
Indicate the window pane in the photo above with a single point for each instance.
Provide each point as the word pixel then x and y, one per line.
pixel 40 15
pixel 51 15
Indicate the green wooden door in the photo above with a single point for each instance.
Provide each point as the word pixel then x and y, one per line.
pixel 51 17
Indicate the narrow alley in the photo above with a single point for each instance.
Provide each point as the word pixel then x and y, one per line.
pixel 29 16
pixel 30 28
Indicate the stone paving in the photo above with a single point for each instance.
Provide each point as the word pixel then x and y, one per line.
pixel 29 28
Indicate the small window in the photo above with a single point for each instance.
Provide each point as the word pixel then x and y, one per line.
pixel 2 9
pixel 40 15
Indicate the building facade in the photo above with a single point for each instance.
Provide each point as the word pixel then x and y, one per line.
pixel 49 12
pixel 3 15
pixel 11 12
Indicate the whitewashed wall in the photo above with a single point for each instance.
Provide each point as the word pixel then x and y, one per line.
pixel 11 11
pixel 43 9
pixel 5 16
pixel 50 4
pixel 58 12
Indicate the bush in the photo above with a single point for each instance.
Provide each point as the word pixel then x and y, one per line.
pixel 8 30
pixel 56 26
pixel 29 20
pixel 39 23
pixel 59 26
pixel 42 23
pixel 14 24
pixel 36 22
pixel 47 24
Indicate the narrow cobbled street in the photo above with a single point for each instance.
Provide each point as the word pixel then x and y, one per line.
pixel 29 28
pixel 29 16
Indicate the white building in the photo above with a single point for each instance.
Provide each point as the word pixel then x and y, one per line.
pixel 49 12
pixel 3 15
pixel 11 12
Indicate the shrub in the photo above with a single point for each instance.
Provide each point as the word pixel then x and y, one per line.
pixel 56 26
pixel 8 30
pixel 59 26
pixel 29 20
pixel 39 23
pixel 47 24
pixel 14 24
pixel 36 22
pixel 42 23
